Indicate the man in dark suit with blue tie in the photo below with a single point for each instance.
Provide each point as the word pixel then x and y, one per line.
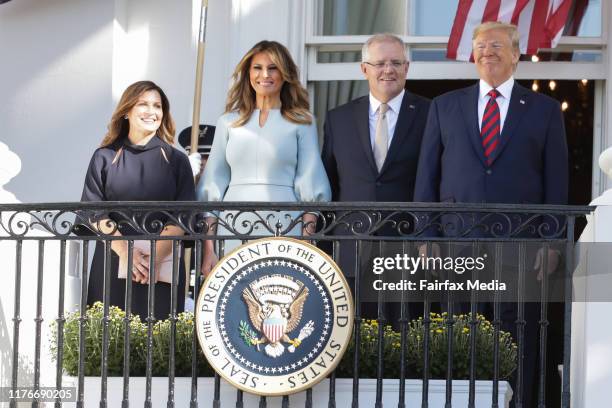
pixel 371 144
pixel 496 142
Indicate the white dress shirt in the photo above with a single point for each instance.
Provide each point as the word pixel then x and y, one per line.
pixel 503 100
pixel 392 113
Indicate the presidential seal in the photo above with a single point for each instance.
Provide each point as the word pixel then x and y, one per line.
pixel 275 316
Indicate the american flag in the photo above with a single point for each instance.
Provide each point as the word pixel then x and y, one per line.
pixel 540 22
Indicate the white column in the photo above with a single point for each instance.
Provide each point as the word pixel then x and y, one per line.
pixel 591 372
pixel 607 54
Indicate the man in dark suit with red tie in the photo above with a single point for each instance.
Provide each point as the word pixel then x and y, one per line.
pixel 495 142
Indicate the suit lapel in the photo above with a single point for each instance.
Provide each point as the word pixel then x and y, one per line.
pixel 405 118
pixel 516 110
pixel 469 106
pixel 361 113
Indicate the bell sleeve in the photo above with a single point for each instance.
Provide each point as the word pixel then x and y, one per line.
pixel 217 172
pixel 311 183
pixel 93 188
pixel 185 189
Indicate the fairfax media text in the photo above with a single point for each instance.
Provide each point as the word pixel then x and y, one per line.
pixel 437 285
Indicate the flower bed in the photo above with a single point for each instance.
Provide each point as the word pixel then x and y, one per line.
pixel 438 337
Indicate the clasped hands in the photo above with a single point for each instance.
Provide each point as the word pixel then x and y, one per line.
pixel 140 265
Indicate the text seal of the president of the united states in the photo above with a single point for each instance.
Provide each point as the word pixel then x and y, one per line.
pixel 275 316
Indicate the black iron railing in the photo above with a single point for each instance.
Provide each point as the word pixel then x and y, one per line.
pixel 338 224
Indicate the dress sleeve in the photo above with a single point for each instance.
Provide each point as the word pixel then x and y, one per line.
pixel 185 188
pixel 217 172
pixel 94 189
pixel 311 182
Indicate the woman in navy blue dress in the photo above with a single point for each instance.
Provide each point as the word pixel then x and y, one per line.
pixel 137 162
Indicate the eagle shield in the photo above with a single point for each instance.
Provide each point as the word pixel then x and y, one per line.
pixel 275 304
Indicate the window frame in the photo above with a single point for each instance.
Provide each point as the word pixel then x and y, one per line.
pixel 428 70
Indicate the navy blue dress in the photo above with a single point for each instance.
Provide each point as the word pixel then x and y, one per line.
pixel 153 172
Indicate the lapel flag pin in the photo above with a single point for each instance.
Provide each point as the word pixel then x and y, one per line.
pixel 522 102
pixel 411 106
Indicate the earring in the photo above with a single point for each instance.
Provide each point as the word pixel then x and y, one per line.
pixel 125 117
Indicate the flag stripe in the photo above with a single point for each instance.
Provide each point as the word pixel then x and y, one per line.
pixel 491 10
pixel 458 27
pixel 556 23
pixel 520 5
pixel 540 22
pixel 523 25
pixel 474 18
pixel 507 10
pixel 576 17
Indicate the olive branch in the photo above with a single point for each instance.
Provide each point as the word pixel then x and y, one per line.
pixel 247 334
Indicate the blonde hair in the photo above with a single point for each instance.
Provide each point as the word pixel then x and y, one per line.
pixel 510 29
pixel 119 126
pixel 295 106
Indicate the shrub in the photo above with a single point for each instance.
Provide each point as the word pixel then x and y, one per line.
pixel 138 344
pixel 438 347
pixel 368 352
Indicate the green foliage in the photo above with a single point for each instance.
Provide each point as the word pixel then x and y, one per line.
pixel 368 352
pixel 246 334
pixel 438 349
pixel 138 344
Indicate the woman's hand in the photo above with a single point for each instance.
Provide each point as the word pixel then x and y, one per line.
pixel 309 222
pixel 210 258
pixel 140 266
pixel 140 262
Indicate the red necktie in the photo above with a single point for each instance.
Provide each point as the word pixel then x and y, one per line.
pixel 490 129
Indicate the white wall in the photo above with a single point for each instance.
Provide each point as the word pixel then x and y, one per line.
pixel 65 64
pixel 233 28
pixel 55 81
pixel 155 40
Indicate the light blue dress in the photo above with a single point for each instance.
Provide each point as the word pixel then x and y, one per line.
pixel 277 162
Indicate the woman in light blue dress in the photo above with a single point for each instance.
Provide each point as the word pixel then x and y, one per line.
pixel 265 147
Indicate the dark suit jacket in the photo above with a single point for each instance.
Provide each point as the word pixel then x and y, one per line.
pixel 349 161
pixel 348 157
pixel 530 165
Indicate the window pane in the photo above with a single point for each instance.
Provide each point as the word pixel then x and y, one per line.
pixel 363 17
pixel 591 56
pixel 435 18
pixel 428 55
pixel 432 17
pixel 324 57
pixel 590 23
